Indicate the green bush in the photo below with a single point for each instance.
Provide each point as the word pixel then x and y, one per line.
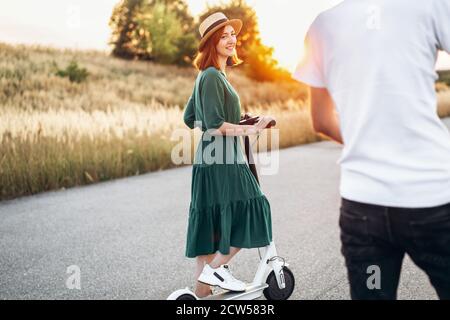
pixel 73 72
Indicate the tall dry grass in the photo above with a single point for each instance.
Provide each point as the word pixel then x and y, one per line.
pixel 57 134
pixel 55 148
pixel 28 82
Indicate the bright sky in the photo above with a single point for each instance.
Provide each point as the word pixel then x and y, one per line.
pixel 83 24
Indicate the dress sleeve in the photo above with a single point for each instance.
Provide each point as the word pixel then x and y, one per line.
pixel 189 113
pixel 212 97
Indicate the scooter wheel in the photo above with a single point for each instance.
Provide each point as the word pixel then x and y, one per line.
pixel 186 296
pixel 273 292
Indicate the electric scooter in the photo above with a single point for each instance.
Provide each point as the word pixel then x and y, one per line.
pixel 273 278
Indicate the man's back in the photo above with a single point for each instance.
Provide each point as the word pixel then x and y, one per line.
pixel 377 58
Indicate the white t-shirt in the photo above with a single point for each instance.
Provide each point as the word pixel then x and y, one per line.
pixel 377 59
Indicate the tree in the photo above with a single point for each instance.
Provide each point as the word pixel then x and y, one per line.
pixel 159 30
pixel 123 26
pixel 166 32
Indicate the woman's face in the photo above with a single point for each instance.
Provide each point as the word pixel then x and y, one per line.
pixel 227 42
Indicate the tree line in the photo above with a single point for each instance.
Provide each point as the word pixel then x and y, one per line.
pixel 164 31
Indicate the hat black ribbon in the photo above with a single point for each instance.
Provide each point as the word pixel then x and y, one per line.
pixel 215 24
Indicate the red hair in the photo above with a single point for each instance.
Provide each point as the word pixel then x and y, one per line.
pixel 208 57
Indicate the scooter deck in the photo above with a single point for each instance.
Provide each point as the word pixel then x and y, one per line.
pixel 251 293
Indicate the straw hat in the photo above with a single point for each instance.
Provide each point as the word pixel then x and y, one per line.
pixel 213 23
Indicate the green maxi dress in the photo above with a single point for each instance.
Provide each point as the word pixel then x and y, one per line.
pixel 227 206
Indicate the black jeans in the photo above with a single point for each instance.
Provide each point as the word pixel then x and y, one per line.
pixel 376 238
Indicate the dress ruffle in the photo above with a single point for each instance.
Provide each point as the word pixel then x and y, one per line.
pixel 227 209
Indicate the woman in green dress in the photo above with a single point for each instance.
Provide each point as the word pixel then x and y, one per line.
pixel 228 211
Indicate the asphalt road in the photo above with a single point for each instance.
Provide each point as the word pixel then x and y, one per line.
pixel 127 236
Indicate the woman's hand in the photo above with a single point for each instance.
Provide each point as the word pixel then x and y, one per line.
pixel 263 122
pixel 230 129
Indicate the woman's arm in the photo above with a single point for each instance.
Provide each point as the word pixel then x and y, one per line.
pixel 230 129
pixel 189 113
pixel 213 101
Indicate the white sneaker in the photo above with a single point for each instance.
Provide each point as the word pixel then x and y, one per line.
pixel 221 277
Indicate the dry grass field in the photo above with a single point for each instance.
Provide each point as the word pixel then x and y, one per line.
pixel 55 133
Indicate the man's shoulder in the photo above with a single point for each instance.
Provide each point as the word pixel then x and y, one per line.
pixel 330 14
pixel 323 19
